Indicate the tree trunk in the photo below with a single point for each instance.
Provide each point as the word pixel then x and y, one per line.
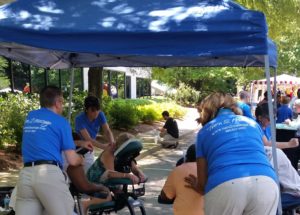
pixel 95 80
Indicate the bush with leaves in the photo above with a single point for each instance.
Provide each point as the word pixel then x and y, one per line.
pixel 14 109
pixel 128 113
pixel 123 114
pixel 186 95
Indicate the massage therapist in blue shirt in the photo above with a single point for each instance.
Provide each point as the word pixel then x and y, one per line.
pixel 89 123
pixel 234 174
pixel 42 187
pixel 243 104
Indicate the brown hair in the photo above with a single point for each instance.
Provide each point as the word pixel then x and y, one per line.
pixel 48 96
pixel 285 100
pixel 212 103
pixel 122 138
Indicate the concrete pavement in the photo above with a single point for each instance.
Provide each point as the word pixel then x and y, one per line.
pixel 186 126
pixel 157 167
pixel 157 162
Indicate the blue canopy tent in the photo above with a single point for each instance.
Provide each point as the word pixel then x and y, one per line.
pixel 154 33
pixel 90 33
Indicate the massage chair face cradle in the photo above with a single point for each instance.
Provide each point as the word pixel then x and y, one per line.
pixel 122 188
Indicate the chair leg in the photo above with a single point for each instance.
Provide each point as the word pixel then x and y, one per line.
pixel 78 206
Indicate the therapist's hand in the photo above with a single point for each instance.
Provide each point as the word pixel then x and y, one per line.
pixel 294 142
pixel 287 121
pixel 192 182
pixel 87 145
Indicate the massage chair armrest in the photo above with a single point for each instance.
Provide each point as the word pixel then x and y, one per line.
pixel 117 181
pixel 165 201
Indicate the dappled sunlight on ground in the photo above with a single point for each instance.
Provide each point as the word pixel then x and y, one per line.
pixel 9 178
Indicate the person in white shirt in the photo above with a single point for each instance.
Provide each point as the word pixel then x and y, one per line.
pixel 289 178
pixel 295 122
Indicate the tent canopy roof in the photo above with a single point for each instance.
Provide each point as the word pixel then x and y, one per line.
pixel 62 34
pixel 280 79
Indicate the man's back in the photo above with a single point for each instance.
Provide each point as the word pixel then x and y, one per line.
pixel 172 128
pixel 284 113
pixel 187 201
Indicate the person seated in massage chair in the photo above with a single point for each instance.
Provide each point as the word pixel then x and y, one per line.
pixel 103 168
pixel 289 178
pixel 78 178
pixel 186 201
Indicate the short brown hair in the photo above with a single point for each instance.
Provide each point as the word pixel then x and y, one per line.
pixel 285 100
pixel 212 103
pixel 122 138
pixel 48 96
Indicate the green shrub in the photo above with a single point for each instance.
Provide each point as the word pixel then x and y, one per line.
pixel 148 114
pixel 186 95
pixel 123 114
pixel 14 109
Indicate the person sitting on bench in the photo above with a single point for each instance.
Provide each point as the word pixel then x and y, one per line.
pixel 184 200
pixel 103 168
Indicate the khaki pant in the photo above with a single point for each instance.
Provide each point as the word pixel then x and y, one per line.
pixel 43 190
pixel 167 140
pixel 255 195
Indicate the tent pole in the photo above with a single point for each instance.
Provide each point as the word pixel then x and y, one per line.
pixel 271 114
pixel 30 78
pixel 11 74
pixel 71 94
pixel 46 74
pixel 275 91
pixel 251 95
pixel 59 79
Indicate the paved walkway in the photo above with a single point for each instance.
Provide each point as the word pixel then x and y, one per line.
pixel 186 126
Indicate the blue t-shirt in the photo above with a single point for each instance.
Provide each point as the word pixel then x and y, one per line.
pixel 93 127
pixel 246 109
pixel 284 113
pixel 45 135
pixel 233 148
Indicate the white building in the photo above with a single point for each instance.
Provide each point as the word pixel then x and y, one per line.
pixel 132 74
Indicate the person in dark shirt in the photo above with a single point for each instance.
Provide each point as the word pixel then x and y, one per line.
pixel 169 132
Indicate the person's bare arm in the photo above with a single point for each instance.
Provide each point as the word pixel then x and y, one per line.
pixel 84 144
pixel 282 145
pixel 73 158
pixel 108 134
pixel 138 172
pixel 86 136
pixel 107 158
pixel 198 183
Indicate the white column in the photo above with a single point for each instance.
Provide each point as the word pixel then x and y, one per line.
pixel 133 86
pixel 85 79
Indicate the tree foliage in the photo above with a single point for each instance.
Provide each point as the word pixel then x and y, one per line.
pixel 283 18
pixel 207 80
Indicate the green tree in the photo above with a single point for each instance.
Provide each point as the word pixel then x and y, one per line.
pixel 4 81
pixel 283 18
